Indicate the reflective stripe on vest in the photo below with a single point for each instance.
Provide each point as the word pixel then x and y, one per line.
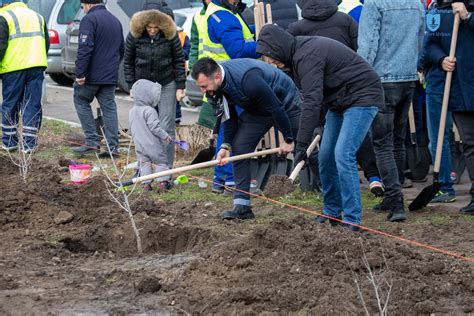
pixel 215 50
pixel 200 20
pixel 347 6
pixel 26 39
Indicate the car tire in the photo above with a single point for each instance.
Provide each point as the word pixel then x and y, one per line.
pixel 61 79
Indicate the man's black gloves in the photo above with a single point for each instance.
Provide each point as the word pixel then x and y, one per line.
pixel 300 152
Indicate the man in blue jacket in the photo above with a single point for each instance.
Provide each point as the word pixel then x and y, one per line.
pixel 461 101
pixel 225 35
pixel 268 98
pixel 101 47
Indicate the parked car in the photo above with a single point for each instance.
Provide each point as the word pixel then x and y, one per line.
pixel 183 10
pixel 57 15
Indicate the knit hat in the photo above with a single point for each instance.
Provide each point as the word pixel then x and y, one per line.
pixel 91 1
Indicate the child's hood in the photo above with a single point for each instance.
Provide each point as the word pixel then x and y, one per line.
pixel 146 93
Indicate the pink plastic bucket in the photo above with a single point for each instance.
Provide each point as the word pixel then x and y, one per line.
pixel 80 173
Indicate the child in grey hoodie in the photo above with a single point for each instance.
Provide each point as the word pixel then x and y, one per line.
pixel 149 138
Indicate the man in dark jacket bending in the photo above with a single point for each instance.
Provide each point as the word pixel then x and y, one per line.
pixel 268 98
pixel 332 75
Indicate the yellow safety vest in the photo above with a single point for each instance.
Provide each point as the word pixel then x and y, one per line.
pixel 26 39
pixel 200 20
pixel 215 50
pixel 347 6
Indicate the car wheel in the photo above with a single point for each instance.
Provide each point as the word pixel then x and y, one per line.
pixel 61 79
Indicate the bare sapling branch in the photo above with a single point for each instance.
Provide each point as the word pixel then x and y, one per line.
pixel 22 157
pixel 122 200
pixel 380 281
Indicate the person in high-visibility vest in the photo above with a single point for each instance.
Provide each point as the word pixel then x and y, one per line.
pixel 225 35
pixel 24 43
pixel 352 8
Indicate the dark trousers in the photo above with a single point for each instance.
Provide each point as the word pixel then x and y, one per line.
pixel 465 123
pixel 388 134
pixel 22 91
pixel 251 130
pixel 105 94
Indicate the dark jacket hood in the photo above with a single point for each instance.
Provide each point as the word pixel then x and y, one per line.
pixel 275 42
pixel 141 19
pixel 318 10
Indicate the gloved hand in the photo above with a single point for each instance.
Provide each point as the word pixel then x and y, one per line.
pixel 300 153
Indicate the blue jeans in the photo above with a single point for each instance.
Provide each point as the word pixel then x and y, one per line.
pixel 22 90
pixel 343 135
pixel 433 116
pixel 105 94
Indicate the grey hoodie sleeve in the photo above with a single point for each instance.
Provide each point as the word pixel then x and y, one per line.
pixel 153 123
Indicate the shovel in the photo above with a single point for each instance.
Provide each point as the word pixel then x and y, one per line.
pixel 457 156
pixel 413 141
pixel 208 153
pixel 182 144
pixel 196 166
pixel 428 193
pixel 281 185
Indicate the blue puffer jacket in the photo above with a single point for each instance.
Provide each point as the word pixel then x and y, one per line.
pixel 439 25
pixel 228 31
pixel 101 47
pixel 390 37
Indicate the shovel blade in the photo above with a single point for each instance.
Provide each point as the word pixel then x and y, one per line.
pixel 204 155
pixel 424 197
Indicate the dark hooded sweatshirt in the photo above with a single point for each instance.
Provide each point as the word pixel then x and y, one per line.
pixel 321 18
pixel 327 72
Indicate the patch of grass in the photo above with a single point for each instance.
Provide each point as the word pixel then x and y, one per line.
pixel 435 219
pixel 467 217
pixel 55 128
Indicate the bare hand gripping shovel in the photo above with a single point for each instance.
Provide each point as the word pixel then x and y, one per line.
pixel 429 192
pixel 196 166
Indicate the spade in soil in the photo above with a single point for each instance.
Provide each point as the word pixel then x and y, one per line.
pixel 279 185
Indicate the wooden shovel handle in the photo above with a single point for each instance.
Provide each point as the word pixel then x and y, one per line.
pixel 204 165
pixel 300 165
pixel 447 89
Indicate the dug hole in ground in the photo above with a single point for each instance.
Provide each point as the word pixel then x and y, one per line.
pixel 69 249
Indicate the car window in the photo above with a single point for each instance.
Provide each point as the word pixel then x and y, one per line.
pixel 179 19
pixel 43 7
pixel 68 11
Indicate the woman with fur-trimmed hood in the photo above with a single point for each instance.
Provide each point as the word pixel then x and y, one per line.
pixel 153 51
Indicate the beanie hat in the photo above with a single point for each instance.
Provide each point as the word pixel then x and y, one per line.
pixel 91 1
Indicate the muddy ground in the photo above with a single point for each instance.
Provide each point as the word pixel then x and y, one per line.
pixel 68 249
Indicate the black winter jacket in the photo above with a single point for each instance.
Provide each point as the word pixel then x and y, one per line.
pixel 321 18
pixel 158 59
pixel 328 74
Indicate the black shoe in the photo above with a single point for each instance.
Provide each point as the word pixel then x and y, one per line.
pixel 468 209
pixel 382 207
pixel 352 228
pixel 85 149
pixel 240 212
pixel 106 154
pixel 321 220
pixel 397 211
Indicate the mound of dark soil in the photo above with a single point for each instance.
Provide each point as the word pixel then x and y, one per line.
pixel 194 262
